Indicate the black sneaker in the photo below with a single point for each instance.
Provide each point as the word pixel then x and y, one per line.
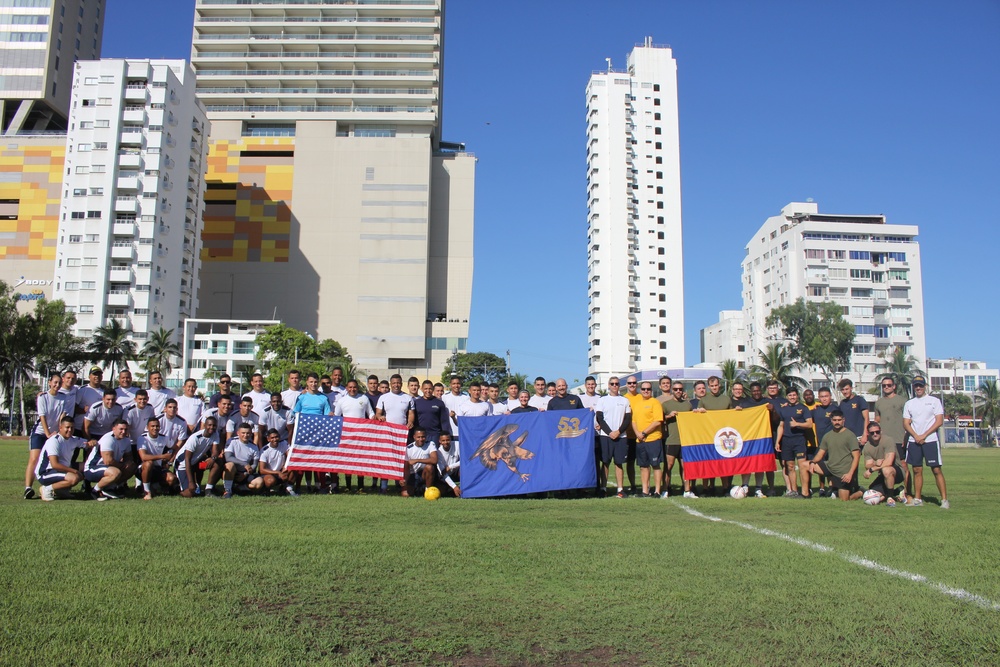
pixel 29 493
pixel 823 493
pixel 113 495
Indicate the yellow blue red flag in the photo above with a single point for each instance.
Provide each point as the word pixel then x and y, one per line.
pixel 722 443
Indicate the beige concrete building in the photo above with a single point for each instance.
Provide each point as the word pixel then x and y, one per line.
pixel 39 42
pixel 332 203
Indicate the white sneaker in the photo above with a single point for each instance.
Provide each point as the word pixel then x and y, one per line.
pixel 666 494
pixel 48 494
pixel 689 494
pixel 759 494
pixel 945 504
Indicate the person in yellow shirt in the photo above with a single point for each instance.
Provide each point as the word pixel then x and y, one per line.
pixel 633 396
pixel 647 419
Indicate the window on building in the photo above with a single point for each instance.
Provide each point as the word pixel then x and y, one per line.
pixel 836 254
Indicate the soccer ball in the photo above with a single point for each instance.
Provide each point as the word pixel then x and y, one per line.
pixel 738 492
pixel 872 497
pixel 432 493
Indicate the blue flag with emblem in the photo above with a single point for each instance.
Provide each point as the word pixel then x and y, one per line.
pixel 528 452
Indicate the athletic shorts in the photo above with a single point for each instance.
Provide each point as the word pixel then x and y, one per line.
pixel 649 454
pixel 793 451
pixel 929 451
pixel 182 478
pixel 673 450
pixel 51 477
pixel 838 483
pixel 36 441
pixel 417 482
pixel 878 484
pixel 614 449
pixel 94 475
pixel 157 474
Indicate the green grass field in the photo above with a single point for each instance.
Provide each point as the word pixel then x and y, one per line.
pixel 360 580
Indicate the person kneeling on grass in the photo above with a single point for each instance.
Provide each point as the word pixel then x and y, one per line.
pixel 272 462
pixel 155 452
pixel 421 464
pixel 55 471
pixel 197 449
pixel 840 449
pixel 241 462
pixel 110 463
pixel 880 457
pixel 448 465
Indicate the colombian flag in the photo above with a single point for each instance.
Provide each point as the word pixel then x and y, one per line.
pixel 721 443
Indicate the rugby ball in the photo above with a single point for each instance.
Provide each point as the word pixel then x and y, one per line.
pixel 872 497
pixel 738 492
pixel 432 493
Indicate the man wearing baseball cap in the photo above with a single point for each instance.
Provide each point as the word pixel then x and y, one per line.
pixel 922 417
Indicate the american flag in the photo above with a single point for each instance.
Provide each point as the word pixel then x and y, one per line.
pixel 347 445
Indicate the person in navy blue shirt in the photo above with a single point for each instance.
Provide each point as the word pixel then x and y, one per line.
pixel 431 413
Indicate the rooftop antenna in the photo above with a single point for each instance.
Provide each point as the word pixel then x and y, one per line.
pixel 649 40
pixel 608 61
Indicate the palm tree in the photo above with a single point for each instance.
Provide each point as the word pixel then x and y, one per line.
pixel 112 346
pixel 775 364
pixel 901 367
pixel 988 401
pixel 158 351
pixel 731 372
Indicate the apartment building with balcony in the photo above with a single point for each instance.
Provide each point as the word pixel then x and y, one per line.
pixel 330 193
pixel 634 254
pixel 861 262
pixel 129 240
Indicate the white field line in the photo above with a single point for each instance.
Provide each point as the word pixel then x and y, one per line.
pixel 957 593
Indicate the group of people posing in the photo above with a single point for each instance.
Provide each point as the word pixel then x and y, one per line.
pixel 173 443
pixel 813 437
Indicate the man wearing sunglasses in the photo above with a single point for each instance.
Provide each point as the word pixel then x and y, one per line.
pixel 889 415
pixel 225 384
pixel 879 454
pixel 614 418
pixel 673 403
pixel 634 396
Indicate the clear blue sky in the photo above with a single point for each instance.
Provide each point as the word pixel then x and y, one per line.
pixel 865 106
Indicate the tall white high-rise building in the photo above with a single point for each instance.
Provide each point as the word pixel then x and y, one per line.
pixel 130 215
pixel 333 205
pixel 39 42
pixel 868 267
pixel 635 260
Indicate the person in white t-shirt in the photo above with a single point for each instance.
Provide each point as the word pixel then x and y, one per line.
pixel 158 394
pixel 172 426
pixel 354 404
pixel 198 448
pixel 474 407
pixel 155 452
pixel 449 464
pixel 242 455
pixel 87 396
pixel 125 391
pixel 497 407
pixel 512 396
pixel 291 395
pixel 540 401
pixel 276 416
pixel 190 406
pixel 395 407
pixel 453 398
pixel 421 464
pixel 614 415
pixel 55 470
pixel 922 417
pixel 51 406
pixel 138 415
pixel 110 462
pixel 272 465
pixel 261 397
pixel 589 400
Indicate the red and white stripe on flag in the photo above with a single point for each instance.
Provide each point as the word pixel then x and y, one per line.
pixel 349 446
